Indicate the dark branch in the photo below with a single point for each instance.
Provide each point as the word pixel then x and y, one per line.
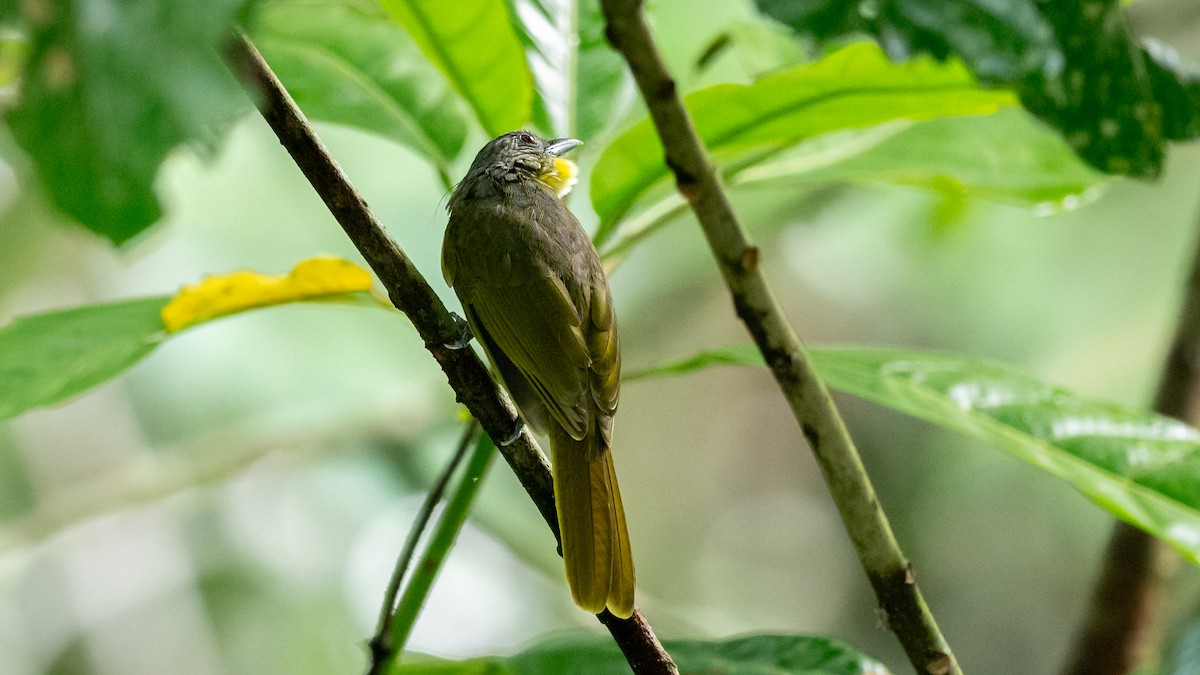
pixel 888 570
pixel 411 294
pixel 1121 618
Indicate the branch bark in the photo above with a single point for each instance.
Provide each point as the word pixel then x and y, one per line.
pixel 1121 623
pixel 413 296
pixel 890 573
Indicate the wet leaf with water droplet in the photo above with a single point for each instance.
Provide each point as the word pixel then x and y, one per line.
pixel 1142 467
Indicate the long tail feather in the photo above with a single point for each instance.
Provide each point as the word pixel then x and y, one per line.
pixel 620 590
pixel 591 519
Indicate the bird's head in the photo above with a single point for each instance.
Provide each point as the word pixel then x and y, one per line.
pixel 520 155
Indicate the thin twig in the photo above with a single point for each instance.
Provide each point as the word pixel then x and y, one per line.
pixel 889 571
pixel 1121 623
pixel 381 644
pixel 449 524
pixel 413 296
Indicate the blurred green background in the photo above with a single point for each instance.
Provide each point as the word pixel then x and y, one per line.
pixel 235 503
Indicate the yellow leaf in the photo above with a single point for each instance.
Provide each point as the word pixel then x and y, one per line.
pixel 224 294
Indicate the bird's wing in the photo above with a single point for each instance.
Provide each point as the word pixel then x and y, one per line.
pixel 605 351
pixel 527 312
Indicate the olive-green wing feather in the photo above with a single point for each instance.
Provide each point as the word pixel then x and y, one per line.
pixel 528 313
pixel 605 350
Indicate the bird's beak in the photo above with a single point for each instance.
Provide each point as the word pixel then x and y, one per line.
pixel 561 146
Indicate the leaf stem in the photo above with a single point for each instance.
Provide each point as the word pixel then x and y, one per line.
pixel 890 573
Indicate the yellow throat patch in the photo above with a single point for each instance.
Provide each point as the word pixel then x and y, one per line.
pixel 561 177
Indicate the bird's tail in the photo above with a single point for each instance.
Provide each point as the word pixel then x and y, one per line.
pixel 591 520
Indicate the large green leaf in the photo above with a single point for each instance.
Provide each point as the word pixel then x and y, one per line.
pixel 852 88
pixel 604 91
pixel 1005 40
pixel 1004 157
pixel 583 86
pixel 474 44
pixel 109 88
pixel 47 358
pixel 1141 467
pixel 352 65
pixel 598 655
pixel 1176 87
pixel 1075 63
pixel 758 46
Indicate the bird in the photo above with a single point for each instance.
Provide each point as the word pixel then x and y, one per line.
pixel 537 300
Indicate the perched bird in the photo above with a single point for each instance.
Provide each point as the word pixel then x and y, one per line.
pixel 537 300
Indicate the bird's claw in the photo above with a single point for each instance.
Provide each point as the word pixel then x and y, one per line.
pixel 518 428
pixel 464 333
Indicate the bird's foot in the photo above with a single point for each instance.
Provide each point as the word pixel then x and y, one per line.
pixel 518 428
pixel 464 333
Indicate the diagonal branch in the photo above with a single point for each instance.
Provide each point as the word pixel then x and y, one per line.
pixel 1121 624
pixel 413 296
pixel 889 571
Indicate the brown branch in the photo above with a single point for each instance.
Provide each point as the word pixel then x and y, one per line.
pixel 413 296
pixel 1121 623
pixel 889 572
pixel 1179 387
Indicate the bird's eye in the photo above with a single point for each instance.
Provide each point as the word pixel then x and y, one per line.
pixel 527 139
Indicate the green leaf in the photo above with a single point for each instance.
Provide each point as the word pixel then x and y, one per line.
pixel 733 355
pixel 1100 96
pixel 1177 90
pixel 758 46
pixel 763 654
pixel 110 86
pixel 1075 64
pixel 474 44
pixel 852 88
pixel 354 66
pixel 1004 157
pixel 582 85
pixel 47 358
pixel 1141 467
pixel 1001 41
pixel 604 89
pixel 749 655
